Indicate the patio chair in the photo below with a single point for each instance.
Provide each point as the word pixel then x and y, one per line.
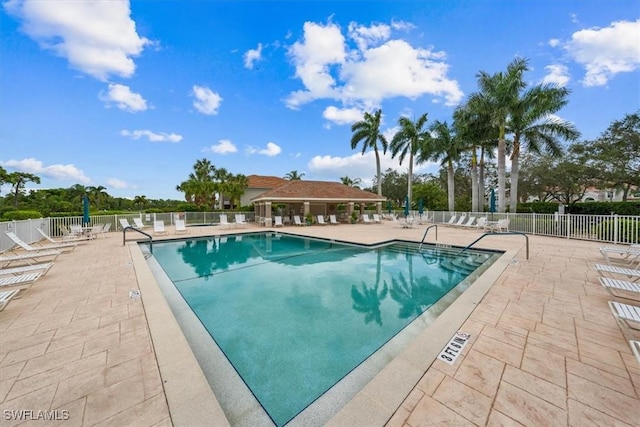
pixel 69 240
pixel 628 254
pixel 27 247
pixel 240 220
pixel 158 228
pixel 106 229
pixel 29 258
pixel 224 222
pixel 503 225
pixel 614 286
pixel 635 348
pixel 481 223
pixel 181 227
pixel 43 268
pixel 321 220
pixel 6 296
pixel 19 281
pixel 631 273
pixel 452 220
pixel 139 224
pixel 460 220
pixel 333 220
pixel 377 219
pixel 469 222
pixel 366 219
pixel 297 221
pixel 124 222
pixel 625 314
pixel 277 221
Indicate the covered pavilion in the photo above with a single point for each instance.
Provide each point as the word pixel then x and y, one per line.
pixel 313 197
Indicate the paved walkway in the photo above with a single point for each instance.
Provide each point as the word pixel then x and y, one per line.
pixel 544 348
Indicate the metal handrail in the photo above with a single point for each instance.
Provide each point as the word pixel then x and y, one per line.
pixel 497 234
pixel 425 234
pixel 124 235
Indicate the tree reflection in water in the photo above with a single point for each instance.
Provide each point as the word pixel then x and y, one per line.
pixel 367 300
pixel 207 256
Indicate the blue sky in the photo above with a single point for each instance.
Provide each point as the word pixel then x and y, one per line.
pixel 128 95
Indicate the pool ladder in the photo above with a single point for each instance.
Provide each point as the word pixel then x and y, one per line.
pixel 425 234
pixel 497 234
pixel 124 235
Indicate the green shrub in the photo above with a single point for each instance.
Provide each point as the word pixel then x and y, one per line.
pixel 20 215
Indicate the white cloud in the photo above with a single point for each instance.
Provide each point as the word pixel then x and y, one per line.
pixel 558 74
pixel 371 67
pixel 57 171
pixel 554 42
pixel 96 37
pixel 605 52
pixel 224 146
pixel 117 183
pixel 207 101
pixel 272 149
pixel 342 116
pixel 252 55
pixel 152 136
pixel 123 98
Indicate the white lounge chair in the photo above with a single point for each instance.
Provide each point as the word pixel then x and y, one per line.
pixel 321 220
pixel 277 221
pixel 139 224
pixel 481 223
pixel 297 221
pixel 333 220
pixel 181 227
pixel 29 258
pixel 240 220
pixel 612 269
pixel 626 314
pixel 224 221
pixel 503 225
pixel 377 219
pixel 106 229
pixel 43 268
pixel 6 296
pixel 27 247
pixel 21 281
pixel 452 220
pixel 158 228
pixel 461 219
pixel 366 219
pixel 628 254
pixel 68 240
pixel 469 222
pixel 124 222
pixel 635 348
pixel 615 285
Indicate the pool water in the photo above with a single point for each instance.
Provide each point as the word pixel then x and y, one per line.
pixel 295 315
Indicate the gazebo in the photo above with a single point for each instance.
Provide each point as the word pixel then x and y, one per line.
pixel 313 197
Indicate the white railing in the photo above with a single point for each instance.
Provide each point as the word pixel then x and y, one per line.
pixel 602 228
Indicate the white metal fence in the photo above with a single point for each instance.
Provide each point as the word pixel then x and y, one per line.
pixel 602 228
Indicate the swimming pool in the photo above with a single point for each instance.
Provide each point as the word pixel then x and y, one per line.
pixel 295 315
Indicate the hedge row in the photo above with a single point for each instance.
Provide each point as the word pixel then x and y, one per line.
pixel 587 208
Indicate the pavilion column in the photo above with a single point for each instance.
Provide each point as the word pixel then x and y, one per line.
pixel 267 214
pixel 378 208
pixel 306 208
pixel 350 208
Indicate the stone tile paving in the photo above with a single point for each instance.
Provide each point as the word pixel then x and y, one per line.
pixel 545 349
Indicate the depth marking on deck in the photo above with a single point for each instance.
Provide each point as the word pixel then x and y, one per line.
pixel 453 349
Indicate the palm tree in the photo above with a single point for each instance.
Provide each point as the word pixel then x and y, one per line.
pixel 236 187
pixel 97 195
pixel 367 131
pixel 531 121
pixel 18 180
pixel 355 182
pixel 294 176
pixel 140 201
pixel 446 147
pixel 411 140
pixel 200 187
pixel 498 93
pixel 222 176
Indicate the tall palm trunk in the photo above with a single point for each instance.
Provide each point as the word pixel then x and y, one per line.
pixel 474 181
pixel 378 171
pixel 481 190
pixel 502 148
pixel 515 171
pixel 450 186
pixel 410 179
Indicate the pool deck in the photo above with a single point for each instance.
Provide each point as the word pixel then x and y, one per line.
pixel 544 348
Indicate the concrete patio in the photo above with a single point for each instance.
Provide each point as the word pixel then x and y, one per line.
pixel 544 348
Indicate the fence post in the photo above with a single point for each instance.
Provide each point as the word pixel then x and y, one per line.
pixel 568 226
pixel 615 229
pixel 533 228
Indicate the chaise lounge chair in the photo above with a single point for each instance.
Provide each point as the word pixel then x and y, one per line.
pixel 158 228
pixel 19 281
pixel 321 220
pixel 635 348
pixel 240 220
pixel 627 315
pixel 6 296
pixel 452 220
pixel 614 287
pixel 628 254
pixel 366 219
pixel 469 222
pixel 181 227
pixel 224 221
pixel 612 269
pixel 43 268
pixel 75 238
pixel 30 258
pixel 297 221
pixel 277 221
pixel 139 224
pixel 333 220
pixel 27 247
